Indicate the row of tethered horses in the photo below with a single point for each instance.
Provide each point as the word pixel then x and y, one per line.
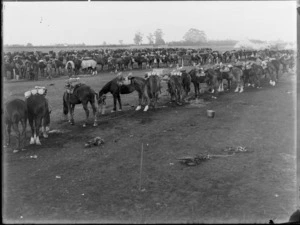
pixel 252 72
pixel 31 65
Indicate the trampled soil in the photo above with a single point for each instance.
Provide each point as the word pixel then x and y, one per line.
pixel 68 182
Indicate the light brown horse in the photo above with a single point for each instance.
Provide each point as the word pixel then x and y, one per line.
pixel 151 90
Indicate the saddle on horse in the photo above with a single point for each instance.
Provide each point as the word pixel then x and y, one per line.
pixel 36 90
pixel 72 84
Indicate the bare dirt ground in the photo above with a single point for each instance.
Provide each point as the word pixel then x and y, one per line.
pixel 68 182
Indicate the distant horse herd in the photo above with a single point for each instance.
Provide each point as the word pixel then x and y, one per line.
pixel 35 65
pixel 252 72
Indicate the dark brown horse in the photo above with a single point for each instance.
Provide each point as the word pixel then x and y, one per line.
pixel 121 85
pixel 38 115
pixel 79 94
pixel 197 77
pixel 15 112
pixel 175 88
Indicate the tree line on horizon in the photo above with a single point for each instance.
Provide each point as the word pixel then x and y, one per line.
pixel 193 37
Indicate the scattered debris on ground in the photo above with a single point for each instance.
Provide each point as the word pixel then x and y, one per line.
pixel 94 142
pixel 193 161
pixel 196 160
pixel 58 131
pixel 236 149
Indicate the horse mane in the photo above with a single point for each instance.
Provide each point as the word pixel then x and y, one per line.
pixel 106 88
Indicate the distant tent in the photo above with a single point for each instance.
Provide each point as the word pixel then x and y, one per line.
pixel 290 47
pixel 247 44
pixel 244 44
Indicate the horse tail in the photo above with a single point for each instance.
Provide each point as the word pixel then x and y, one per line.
pixel 65 105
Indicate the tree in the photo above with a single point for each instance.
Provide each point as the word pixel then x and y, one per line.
pixel 195 36
pixel 121 42
pixel 104 42
pixel 138 38
pixel 29 45
pixel 150 38
pixel 158 34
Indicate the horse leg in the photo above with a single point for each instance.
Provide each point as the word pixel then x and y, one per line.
pixel 87 112
pixel 8 132
pixel 228 84
pixel 24 126
pixel 38 122
pixel 115 103
pixel 33 137
pixel 140 102
pixel 16 129
pixel 94 113
pixel 195 88
pixel 147 99
pixel 72 107
pixel 120 103
pixel 45 129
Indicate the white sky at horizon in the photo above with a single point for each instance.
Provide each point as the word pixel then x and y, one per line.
pixel 92 23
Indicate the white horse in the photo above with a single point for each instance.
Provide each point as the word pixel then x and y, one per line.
pixel 90 63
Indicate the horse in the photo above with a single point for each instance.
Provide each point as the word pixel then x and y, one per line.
pixel 58 66
pixel 151 90
pixel 70 66
pixel 139 84
pixel 89 64
pixel 32 69
pixel 8 67
pixel 127 62
pixel 197 76
pixel 16 112
pixel 79 94
pixel 42 67
pixel 186 82
pixel 101 60
pixel 140 60
pixel 175 87
pixel 115 87
pixel 236 74
pixel 38 113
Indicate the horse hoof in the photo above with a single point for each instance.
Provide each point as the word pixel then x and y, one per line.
pixel 31 141
pixel 146 108
pixel 119 110
pixel 138 108
pixel 45 135
pixel 95 124
pixel 112 111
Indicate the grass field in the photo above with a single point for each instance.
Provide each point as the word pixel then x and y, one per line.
pixel 70 183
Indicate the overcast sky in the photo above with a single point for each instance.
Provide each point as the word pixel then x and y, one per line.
pixel 93 23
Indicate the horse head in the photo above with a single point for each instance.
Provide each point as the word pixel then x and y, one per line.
pixel 102 100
